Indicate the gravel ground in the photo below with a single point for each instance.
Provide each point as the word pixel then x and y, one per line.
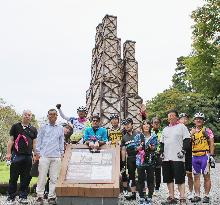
pixel 162 195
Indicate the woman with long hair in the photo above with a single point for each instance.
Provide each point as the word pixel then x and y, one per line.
pixel 146 145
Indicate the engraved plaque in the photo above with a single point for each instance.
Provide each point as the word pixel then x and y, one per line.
pixel 87 167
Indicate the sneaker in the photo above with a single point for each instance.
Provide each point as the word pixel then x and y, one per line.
pixel 196 199
pixel 23 201
pixel 182 201
pixel 148 201
pixel 46 195
pixel 125 192
pixel 39 201
pixel 205 199
pixel 10 201
pixel 169 201
pixel 142 201
pixel 190 195
pixel 52 201
pixel 131 197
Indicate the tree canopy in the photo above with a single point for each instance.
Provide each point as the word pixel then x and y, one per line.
pixel 196 81
pixel 203 64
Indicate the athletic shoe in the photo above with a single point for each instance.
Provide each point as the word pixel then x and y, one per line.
pixel 196 199
pixel 169 201
pixel 125 192
pixel 52 201
pixel 131 197
pixel 10 201
pixel 148 201
pixel 39 201
pixel 142 201
pixel 182 201
pixel 45 195
pixel 23 201
pixel 205 199
pixel 190 195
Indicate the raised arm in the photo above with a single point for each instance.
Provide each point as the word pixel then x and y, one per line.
pixel 63 116
pixel 61 113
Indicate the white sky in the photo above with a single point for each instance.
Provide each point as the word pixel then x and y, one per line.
pixel 46 47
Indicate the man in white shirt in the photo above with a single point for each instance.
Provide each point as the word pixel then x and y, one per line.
pixel 175 139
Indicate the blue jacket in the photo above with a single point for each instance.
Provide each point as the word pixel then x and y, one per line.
pixel 100 134
pixel 150 155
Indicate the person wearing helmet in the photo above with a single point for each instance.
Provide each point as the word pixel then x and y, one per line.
pixel 114 137
pixel 128 149
pixel 114 132
pixel 184 118
pixel 202 156
pixel 79 123
pixel 95 136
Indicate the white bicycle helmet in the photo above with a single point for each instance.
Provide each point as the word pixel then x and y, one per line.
pixel 199 115
pixel 183 115
pixel 114 116
pixel 82 109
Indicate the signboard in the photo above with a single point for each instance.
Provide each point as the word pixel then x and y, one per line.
pixel 84 166
pixel 85 174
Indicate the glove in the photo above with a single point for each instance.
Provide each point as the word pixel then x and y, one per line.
pixel 181 154
pixel 58 106
pixel 212 161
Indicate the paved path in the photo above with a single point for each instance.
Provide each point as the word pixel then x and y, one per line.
pixel 215 192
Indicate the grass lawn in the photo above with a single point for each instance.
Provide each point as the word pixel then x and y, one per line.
pixel 4 174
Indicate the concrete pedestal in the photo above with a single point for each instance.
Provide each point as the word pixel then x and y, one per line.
pixel 86 201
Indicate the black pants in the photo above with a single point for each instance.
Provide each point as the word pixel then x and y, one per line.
pixel 131 163
pixel 20 166
pixel 146 173
pixel 157 173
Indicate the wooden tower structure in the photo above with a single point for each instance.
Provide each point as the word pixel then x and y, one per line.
pixel 114 81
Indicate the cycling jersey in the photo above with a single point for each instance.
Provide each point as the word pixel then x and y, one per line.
pixel 114 135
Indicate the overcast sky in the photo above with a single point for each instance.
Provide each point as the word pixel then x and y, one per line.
pixel 46 47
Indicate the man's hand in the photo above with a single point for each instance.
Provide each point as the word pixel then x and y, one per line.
pixel 181 154
pixel 36 157
pixel 96 145
pixel 8 156
pixel 58 106
pixel 91 145
pixel 108 143
pixel 212 161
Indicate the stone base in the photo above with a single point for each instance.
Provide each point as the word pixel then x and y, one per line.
pixel 86 201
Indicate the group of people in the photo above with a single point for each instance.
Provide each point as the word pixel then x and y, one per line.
pixel 172 152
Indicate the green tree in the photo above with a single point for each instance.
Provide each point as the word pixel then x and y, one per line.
pixel 203 65
pixel 189 103
pixel 179 78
